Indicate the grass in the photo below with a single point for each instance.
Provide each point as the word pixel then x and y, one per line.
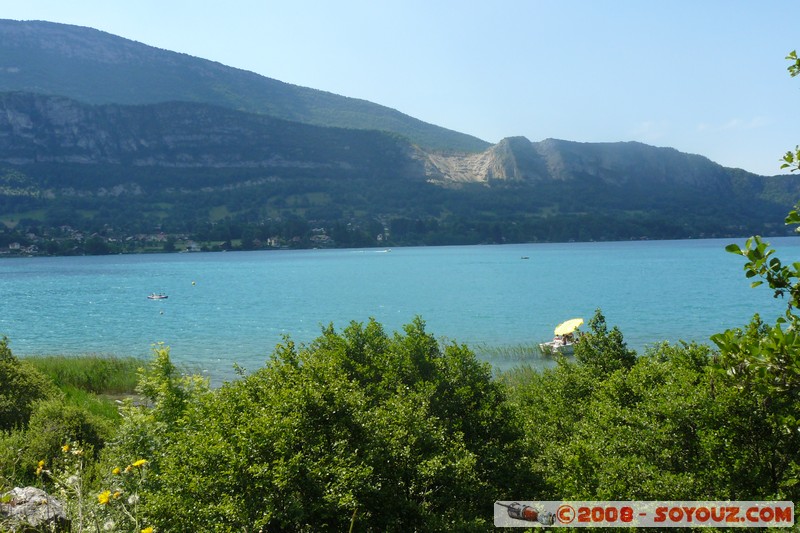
pixel 511 357
pixel 512 352
pixel 90 373
pixel 97 405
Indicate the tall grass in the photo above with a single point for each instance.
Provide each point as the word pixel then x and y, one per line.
pixel 510 357
pixel 101 406
pixel 512 352
pixel 91 373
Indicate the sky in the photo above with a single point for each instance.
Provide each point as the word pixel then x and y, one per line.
pixel 704 77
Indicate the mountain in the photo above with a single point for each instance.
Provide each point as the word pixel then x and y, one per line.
pixel 186 165
pixel 36 129
pixel 126 143
pixel 95 67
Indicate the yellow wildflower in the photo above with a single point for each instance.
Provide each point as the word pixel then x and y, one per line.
pixel 40 467
pixel 65 448
pixel 116 471
pixel 116 495
pixel 128 468
pixel 103 497
pixel 148 529
pixel 140 462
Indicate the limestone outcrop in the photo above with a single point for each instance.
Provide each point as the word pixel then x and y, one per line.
pixel 31 508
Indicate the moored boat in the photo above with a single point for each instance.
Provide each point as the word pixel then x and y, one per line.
pixel 565 336
pixel 159 296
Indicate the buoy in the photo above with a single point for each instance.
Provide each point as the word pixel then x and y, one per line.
pixel 193 283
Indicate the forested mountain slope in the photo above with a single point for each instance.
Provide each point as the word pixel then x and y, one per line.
pixel 96 67
pixel 104 135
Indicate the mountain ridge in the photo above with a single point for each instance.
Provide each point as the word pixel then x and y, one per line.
pixel 97 67
pixel 201 162
pixel 37 129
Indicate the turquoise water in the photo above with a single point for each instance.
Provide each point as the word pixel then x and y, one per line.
pixel 236 306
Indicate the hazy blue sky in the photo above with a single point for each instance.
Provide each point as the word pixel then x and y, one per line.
pixel 702 76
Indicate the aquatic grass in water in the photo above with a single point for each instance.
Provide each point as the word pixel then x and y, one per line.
pixel 511 352
pixel 91 373
pixel 505 358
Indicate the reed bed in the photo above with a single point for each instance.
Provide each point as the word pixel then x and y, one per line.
pixel 108 375
pixel 511 352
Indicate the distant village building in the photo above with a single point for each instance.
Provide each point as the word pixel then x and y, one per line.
pixel 321 239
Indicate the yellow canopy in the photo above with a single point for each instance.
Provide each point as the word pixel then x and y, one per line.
pixel 565 328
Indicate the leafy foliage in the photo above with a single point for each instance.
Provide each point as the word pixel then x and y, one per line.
pixel 601 350
pixel 21 386
pixel 794 68
pixel 764 360
pixel 57 423
pixel 791 159
pixel 359 426
pixel 36 420
pixel 767 358
pixel 397 432
pixel 664 428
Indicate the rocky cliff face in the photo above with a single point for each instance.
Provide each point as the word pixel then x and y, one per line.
pixel 518 160
pixel 48 129
pixel 511 160
pixel 36 129
pixel 127 162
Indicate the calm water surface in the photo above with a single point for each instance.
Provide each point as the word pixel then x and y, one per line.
pixel 236 306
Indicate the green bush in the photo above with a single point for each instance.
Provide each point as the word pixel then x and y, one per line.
pixel 21 386
pixel 603 350
pixel 662 428
pixel 391 433
pixel 55 423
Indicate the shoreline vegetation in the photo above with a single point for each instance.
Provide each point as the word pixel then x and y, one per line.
pixel 97 374
pixel 111 375
pixel 334 431
pixel 361 429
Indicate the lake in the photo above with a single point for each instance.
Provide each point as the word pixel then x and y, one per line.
pixel 234 307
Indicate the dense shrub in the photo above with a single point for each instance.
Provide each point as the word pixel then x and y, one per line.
pixel 659 427
pixel 55 423
pixel 393 433
pixel 21 386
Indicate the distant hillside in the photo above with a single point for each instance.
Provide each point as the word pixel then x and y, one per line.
pixel 181 166
pixel 96 67
pixel 108 138
pixel 516 159
pixel 36 129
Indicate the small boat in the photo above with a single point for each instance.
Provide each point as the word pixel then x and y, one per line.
pixel 159 296
pixel 558 345
pixel 566 335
